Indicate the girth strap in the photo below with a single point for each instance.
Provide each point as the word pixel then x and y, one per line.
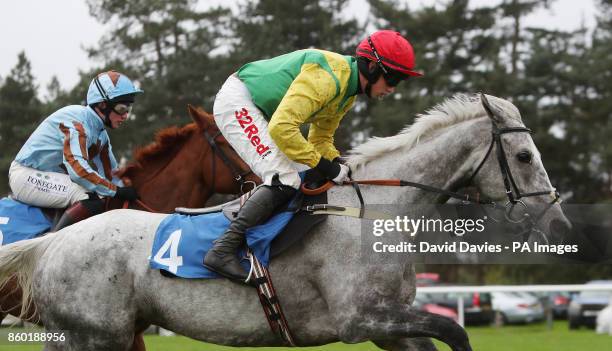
pixel 361 202
pixel 260 277
pixel 362 212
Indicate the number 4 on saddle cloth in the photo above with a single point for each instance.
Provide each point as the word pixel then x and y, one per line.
pixel 182 241
pixel 19 221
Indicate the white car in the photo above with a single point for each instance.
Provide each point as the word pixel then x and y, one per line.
pixel 518 307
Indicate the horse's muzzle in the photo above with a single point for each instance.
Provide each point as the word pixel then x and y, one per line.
pixel 559 231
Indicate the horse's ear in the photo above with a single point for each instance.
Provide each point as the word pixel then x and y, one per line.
pixel 487 107
pixel 202 119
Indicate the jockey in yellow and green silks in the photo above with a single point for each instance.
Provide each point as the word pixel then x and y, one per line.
pixel 68 159
pixel 261 107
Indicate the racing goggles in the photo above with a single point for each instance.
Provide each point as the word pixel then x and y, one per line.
pixel 122 108
pixel 392 77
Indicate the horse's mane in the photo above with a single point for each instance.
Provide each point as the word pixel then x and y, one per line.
pixel 165 142
pixel 459 108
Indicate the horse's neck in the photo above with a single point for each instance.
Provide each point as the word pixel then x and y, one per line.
pixel 173 181
pixel 443 160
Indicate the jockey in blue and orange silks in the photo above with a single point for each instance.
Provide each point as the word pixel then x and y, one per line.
pixel 68 160
pixel 261 107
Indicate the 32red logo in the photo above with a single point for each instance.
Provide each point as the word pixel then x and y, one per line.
pixel 251 131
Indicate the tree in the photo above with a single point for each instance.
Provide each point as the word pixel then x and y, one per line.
pixel 21 112
pixel 553 99
pixel 516 10
pixel 453 48
pixel 57 98
pixel 559 83
pixel 597 69
pixel 165 46
pixel 267 28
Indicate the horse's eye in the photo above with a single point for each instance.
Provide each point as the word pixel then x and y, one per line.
pixel 524 156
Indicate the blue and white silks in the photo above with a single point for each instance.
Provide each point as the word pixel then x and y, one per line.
pixel 74 138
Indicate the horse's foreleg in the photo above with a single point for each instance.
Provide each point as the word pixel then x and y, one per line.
pixel 138 344
pixel 389 322
pixel 416 344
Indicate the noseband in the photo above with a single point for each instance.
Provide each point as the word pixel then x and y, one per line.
pixel 236 174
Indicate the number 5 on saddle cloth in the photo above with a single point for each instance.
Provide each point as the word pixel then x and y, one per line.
pixel 19 221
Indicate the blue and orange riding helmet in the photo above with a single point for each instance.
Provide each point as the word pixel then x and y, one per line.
pixel 111 86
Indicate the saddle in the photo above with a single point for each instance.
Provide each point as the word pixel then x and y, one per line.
pixel 298 227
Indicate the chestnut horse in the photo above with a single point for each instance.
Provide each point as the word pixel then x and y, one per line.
pixel 180 168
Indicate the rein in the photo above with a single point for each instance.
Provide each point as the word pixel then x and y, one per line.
pixel 399 182
pixel 512 191
pixel 143 205
pixel 126 204
pixel 237 175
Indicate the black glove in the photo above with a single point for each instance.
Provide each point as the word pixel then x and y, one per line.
pixel 126 193
pixel 329 169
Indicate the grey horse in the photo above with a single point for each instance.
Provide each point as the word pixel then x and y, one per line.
pixel 91 281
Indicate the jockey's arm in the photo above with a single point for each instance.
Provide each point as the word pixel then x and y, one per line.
pixel 321 135
pixel 75 159
pixel 106 162
pixel 311 90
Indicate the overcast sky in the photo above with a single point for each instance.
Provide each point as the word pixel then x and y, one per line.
pixel 54 33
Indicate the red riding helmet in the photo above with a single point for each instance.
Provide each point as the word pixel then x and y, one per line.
pixel 390 50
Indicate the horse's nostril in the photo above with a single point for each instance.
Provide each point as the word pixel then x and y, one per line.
pixel 559 230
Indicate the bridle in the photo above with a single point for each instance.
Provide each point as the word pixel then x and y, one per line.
pixel 237 175
pixel 512 191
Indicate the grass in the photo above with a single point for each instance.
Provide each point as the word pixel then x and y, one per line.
pixel 534 337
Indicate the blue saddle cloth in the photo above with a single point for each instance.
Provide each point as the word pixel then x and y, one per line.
pixel 19 221
pixel 182 241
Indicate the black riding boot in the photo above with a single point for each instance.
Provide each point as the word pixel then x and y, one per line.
pixel 222 257
pixel 78 212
